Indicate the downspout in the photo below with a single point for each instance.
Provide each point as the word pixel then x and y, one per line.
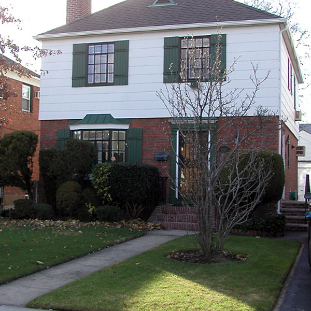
pixel 280 107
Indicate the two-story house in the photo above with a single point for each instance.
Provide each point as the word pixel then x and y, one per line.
pixel 103 87
pixel 19 106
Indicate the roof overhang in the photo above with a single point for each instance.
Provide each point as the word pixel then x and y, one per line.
pixel 288 39
pixel 47 36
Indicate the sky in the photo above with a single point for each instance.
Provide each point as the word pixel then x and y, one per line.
pixel 38 16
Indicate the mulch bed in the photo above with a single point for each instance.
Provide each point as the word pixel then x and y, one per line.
pixel 196 256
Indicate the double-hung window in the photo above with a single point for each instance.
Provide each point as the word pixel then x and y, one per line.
pixel 100 63
pixel 197 59
pixel 194 58
pixel 26 97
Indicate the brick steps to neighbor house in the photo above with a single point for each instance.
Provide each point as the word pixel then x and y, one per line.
pixel 175 217
pixel 294 212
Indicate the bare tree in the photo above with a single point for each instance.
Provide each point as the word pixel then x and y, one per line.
pixel 220 171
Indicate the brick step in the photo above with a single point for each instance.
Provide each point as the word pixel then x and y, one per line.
pixel 293 211
pixel 298 227
pixel 297 217
pixel 175 217
pixel 180 226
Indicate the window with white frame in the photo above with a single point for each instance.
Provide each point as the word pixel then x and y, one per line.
pixel 26 96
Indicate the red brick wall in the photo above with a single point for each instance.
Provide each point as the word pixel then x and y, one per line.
pixel 49 132
pixel 156 134
pixel 256 132
pixel 156 138
pixel 22 120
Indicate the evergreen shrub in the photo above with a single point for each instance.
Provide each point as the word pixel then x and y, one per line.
pixel 109 213
pixel 42 211
pixel 69 199
pixel 134 187
pixel 273 162
pixel 22 209
pixel 269 223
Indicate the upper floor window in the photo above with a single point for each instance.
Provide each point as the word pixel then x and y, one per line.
pixel 101 63
pixel 194 60
pixel 26 97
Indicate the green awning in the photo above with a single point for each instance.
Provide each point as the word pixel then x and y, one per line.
pixel 102 119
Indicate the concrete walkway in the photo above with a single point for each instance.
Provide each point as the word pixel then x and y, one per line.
pixel 16 294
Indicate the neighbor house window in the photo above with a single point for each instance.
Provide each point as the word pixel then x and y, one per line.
pixel 110 144
pixel 101 63
pixel 195 56
pixel 26 94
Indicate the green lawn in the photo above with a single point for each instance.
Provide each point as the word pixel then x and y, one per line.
pixel 29 246
pixel 152 281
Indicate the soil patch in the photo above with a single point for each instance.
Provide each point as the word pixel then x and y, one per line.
pixel 196 256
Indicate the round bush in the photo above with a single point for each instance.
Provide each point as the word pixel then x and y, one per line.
pixel 42 211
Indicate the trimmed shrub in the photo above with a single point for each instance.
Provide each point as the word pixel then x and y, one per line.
pixel 22 209
pixel 134 187
pixel 42 211
pixel 52 173
pixel 78 157
pixel 90 197
pixel 69 198
pixel 273 162
pixel 276 183
pixel 26 209
pixel 268 223
pixel 74 162
pixel 109 213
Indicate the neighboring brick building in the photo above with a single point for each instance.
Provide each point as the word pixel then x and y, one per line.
pixel 21 110
pixel 103 87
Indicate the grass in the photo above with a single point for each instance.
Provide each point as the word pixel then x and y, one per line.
pixel 152 281
pixel 26 247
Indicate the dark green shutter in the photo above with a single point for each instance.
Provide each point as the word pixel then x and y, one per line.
pixel 171 70
pixel 121 62
pixel 221 40
pixel 62 136
pixel 134 145
pixel 79 65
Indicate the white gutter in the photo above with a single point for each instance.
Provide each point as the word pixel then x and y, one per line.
pixel 160 28
pixel 285 32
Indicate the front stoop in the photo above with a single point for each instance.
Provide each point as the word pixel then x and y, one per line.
pixel 294 212
pixel 174 217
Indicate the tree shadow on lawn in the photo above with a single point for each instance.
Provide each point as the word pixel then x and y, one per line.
pixel 152 281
